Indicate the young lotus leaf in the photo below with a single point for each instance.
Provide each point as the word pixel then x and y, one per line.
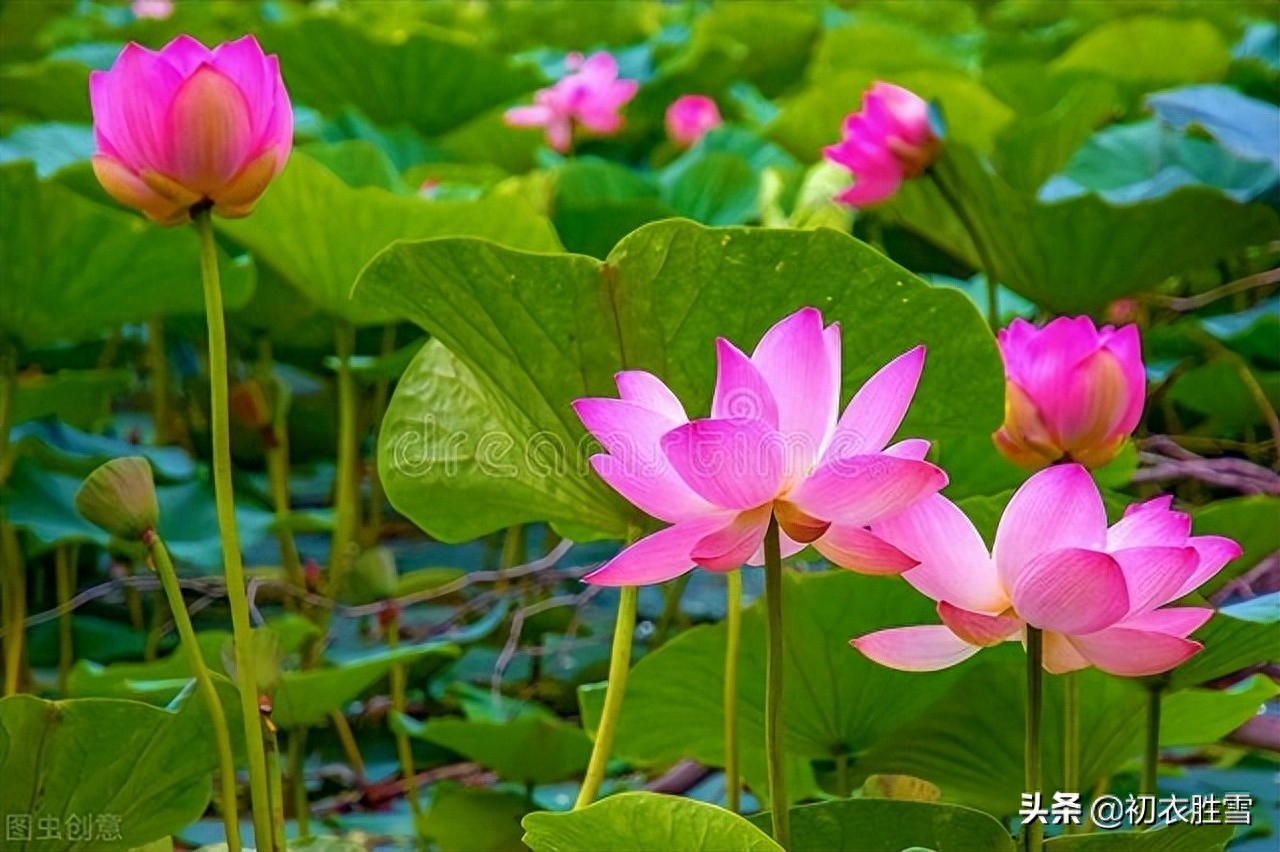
pixel 486 438
pixel 645 821
pixel 526 750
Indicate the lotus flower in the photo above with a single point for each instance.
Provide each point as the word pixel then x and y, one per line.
pixel 1072 391
pixel 890 140
pixel 690 117
pixel 771 447
pixel 1098 594
pixel 591 95
pixel 189 126
pixel 156 9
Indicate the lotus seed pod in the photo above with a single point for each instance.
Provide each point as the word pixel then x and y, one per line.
pixel 120 497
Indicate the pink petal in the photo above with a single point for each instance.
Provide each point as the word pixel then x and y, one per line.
pixel 978 628
pixel 910 448
pixel 258 76
pixel 871 188
pixel 534 115
pixel 626 429
pixel 1134 653
pixel 657 557
pixel 926 648
pixel 731 546
pixel 1056 508
pixel 734 464
pixel 648 390
pixel 185 54
pixel 795 359
pixel 860 550
pixel 787 546
pixel 877 409
pixel 1071 591
pixel 130 103
pixel 1060 656
pixel 1153 575
pixel 741 392
pixel 1215 552
pixel 1179 621
pixel 659 492
pixel 208 131
pixel 1126 345
pixel 1041 360
pixel 954 564
pixel 1149 524
pixel 860 489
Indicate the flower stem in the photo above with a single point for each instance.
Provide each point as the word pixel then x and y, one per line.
pixel 619 666
pixel 404 749
pixel 277 457
pixel 298 780
pixel 1071 738
pixel 158 361
pixel 204 682
pixel 12 572
pixel 773 686
pixel 381 391
pixel 64 567
pixel 237 598
pixel 345 487
pixel 1034 830
pixel 733 640
pixel 275 780
pixel 979 245
pixel 348 740
pixel 1151 753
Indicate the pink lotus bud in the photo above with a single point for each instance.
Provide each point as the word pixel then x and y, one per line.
pixel 691 116
pixel 590 95
pixel 890 140
pixel 1073 392
pixel 189 126
pixel 157 9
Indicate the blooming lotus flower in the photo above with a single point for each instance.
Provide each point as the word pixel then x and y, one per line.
pixel 890 140
pixel 690 117
pixel 1072 391
pixel 1098 594
pixel 157 9
pixel 771 447
pixel 591 95
pixel 190 126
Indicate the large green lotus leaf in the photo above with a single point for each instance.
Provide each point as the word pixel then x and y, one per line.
pixel 57 446
pixel 1077 256
pixel 884 825
pixel 432 81
pixel 645 821
pixel 1230 644
pixel 812 118
pixel 129 679
pixel 836 701
pixel 882 47
pixel 1217 391
pixel 466 819
pixel 527 750
pixel 307 697
pixel 1032 148
pixel 73 268
pixel 81 398
pixel 1179 837
pixel 51 146
pixel 99 758
pixel 1249 521
pixel 970 742
pixel 1135 50
pixel 489 439
pixel 42 503
pixel 47 90
pixel 778 38
pixel 317 232
pixel 23 25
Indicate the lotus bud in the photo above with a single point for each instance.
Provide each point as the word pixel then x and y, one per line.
pixel 120 497
pixel 894 137
pixel 690 117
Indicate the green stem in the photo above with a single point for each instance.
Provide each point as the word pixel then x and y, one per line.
pixel 1071 738
pixel 204 682
pixel 1151 753
pixel 733 641
pixel 64 583
pixel 514 548
pixel 979 245
pixel 619 666
pixel 277 457
pixel 1034 831
pixel 15 608
pixel 404 749
pixel 237 598
pixel 381 391
pixel 773 687
pixel 348 740
pixel 345 486
pixel 672 592
pixel 158 361
pixel 298 780
pixel 275 780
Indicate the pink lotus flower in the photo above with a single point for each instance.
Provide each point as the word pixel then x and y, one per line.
pixel 591 95
pixel 1098 594
pixel 772 446
pixel 189 126
pixel 690 117
pixel 890 140
pixel 1072 391
pixel 156 9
